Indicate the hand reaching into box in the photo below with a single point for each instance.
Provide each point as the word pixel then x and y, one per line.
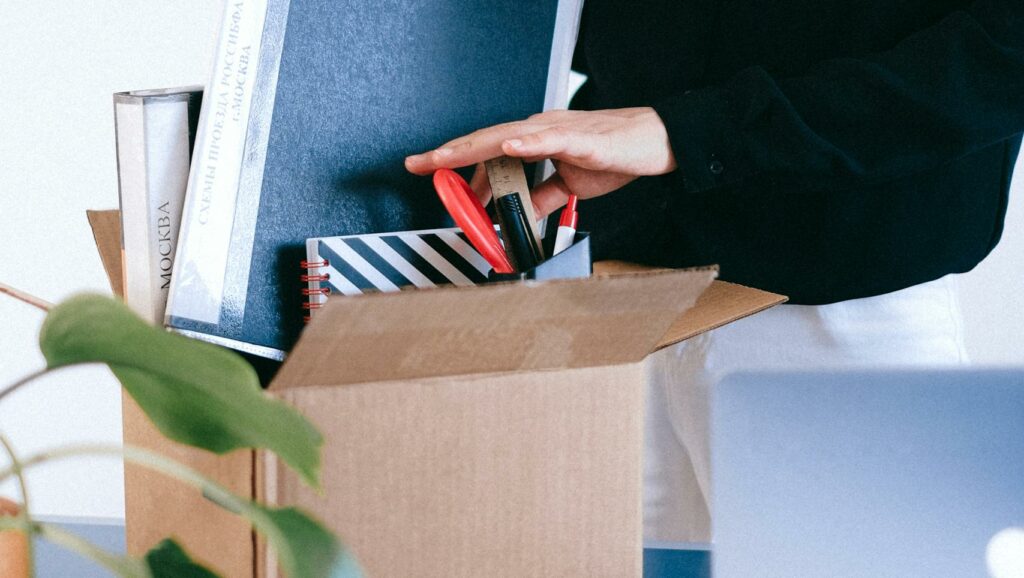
pixel 594 152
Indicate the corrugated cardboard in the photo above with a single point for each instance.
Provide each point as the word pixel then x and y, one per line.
pixel 487 431
pixel 492 328
pixel 157 506
pixel 721 304
pixel 507 475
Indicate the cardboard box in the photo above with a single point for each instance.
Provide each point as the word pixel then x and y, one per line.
pixel 486 431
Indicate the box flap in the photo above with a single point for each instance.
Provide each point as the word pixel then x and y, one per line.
pixel 721 304
pixel 106 230
pixel 602 320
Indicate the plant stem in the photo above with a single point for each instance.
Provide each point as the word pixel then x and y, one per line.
pixel 126 567
pixel 121 565
pixel 61 453
pixel 25 514
pixel 33 376
pixel 22 382
pixel 212 490
pixel 26 297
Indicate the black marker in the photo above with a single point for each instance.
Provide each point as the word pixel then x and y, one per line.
pixel 515 231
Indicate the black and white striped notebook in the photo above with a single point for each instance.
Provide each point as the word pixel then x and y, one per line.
pixel 356 264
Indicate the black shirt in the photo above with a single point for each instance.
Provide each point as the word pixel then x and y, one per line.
pixel 827 149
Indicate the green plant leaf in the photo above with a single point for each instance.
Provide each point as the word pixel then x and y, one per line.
pixel 304 548
pixel 168 560
pixel 195 393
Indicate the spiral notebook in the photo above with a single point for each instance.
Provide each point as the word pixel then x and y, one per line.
pixel 357 264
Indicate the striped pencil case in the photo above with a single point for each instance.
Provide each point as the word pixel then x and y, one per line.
pixel 356 264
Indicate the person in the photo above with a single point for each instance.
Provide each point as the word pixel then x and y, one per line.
pixel 849 154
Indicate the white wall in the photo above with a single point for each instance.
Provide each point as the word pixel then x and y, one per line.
pixel 59 64
pixel 993 294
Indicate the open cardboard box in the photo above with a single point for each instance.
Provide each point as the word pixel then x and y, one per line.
pixel 485 431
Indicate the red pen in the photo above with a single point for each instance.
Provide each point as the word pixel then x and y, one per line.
pixel 566 226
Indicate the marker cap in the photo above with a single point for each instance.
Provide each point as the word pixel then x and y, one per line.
pixel 569 216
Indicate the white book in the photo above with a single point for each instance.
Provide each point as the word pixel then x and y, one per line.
pixel 155 130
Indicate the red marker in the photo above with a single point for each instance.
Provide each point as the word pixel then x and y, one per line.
pixel 566 226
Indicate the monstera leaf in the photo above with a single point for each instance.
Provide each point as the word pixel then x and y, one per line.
pixel 304 549
pixel 195 393
pixel 303 546
pixel 168 560
pixel 204 396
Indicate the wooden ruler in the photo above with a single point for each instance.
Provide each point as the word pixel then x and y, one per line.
pixel 507 176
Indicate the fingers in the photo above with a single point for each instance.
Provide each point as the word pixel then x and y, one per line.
pixel 624 141
pixel 473 148
pixel 481 185
pixel 579 148
pixel 554 192
pixel 548 196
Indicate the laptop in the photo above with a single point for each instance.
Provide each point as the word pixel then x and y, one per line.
pixel 869 475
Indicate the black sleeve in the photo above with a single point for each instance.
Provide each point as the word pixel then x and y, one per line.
pixel 938 95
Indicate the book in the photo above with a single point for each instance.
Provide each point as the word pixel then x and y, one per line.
pixel 154 132
pixel 309 114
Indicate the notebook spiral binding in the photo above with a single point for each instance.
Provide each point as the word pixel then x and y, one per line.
pixel 386 262
pixel 312 277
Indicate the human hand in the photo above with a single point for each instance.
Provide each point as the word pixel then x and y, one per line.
pixel 594 152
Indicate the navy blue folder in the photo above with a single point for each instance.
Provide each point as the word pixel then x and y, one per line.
pixel 360 84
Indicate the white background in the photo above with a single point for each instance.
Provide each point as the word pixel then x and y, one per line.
pixel 59 64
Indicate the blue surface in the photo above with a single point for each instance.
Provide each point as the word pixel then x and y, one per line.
pixel 663 563
pixel 868 474
pixel 53 562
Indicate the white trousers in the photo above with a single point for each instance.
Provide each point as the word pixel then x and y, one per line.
pixel 919 326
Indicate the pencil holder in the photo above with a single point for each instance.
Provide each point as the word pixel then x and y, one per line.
pixel 571 263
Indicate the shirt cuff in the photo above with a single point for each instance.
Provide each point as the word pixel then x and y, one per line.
pixel 706 139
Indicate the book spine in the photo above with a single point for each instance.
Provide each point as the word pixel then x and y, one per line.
pixel 153 150
pixel 129 134
pixel 204 248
